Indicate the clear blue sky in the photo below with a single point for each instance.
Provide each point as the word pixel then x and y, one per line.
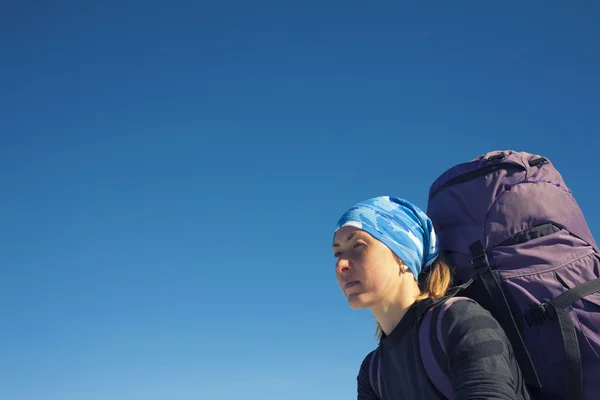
pixel 172 174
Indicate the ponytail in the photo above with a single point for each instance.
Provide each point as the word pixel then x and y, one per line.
pixel 436 281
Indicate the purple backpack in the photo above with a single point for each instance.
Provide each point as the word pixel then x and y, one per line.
pixel 520 247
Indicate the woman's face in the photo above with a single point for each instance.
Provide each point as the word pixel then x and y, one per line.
pixel 366 269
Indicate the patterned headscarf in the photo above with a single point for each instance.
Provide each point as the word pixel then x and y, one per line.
pixel 398 224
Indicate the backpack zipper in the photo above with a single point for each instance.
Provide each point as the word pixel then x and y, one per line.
pixel 475 174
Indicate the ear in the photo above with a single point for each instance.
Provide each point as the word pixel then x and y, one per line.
pixel 400 263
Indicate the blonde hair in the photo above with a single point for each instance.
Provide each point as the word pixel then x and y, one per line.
pixel 433 283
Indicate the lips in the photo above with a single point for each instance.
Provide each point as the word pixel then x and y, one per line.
pixel 350 284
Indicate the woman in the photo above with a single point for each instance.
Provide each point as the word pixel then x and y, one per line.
pixel 387 261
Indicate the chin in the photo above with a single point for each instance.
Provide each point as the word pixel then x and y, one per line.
pixel 358 301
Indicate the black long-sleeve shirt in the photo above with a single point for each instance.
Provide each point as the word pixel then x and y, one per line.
pixel 480 359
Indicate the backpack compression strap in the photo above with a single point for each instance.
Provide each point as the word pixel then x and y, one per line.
pixel 558 308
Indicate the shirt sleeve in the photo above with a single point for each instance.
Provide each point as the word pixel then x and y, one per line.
pixel 480 357
pixel 365 391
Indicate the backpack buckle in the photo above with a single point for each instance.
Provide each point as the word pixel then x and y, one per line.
pixel 479 256
pixel 480 261
pixel 537 315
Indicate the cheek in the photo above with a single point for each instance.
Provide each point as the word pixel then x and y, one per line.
pixel 377 277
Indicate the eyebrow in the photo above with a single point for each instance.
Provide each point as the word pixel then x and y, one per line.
pixel 348 238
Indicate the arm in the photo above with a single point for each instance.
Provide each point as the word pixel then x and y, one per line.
pixel 365 391
pixel 480 356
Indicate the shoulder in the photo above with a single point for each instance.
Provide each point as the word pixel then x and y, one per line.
pixel 465 311
pixel 365 378
pixel 367 369
pixel 480 358
pixel 368 361
pixel 464 322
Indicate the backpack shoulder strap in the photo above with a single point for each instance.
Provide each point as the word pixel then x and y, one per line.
pixel 374 372
pixel 433 349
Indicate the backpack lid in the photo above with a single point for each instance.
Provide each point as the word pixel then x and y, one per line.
pixel 491 161
pixel 493 197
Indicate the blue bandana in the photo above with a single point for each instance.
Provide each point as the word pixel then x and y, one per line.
pixel 398 224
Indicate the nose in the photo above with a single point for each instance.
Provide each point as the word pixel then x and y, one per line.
pixel 342 265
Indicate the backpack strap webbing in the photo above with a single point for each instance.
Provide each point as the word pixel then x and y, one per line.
pixel 557 308
pixel 502 312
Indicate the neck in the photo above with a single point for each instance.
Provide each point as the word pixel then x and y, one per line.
pixel 389 312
